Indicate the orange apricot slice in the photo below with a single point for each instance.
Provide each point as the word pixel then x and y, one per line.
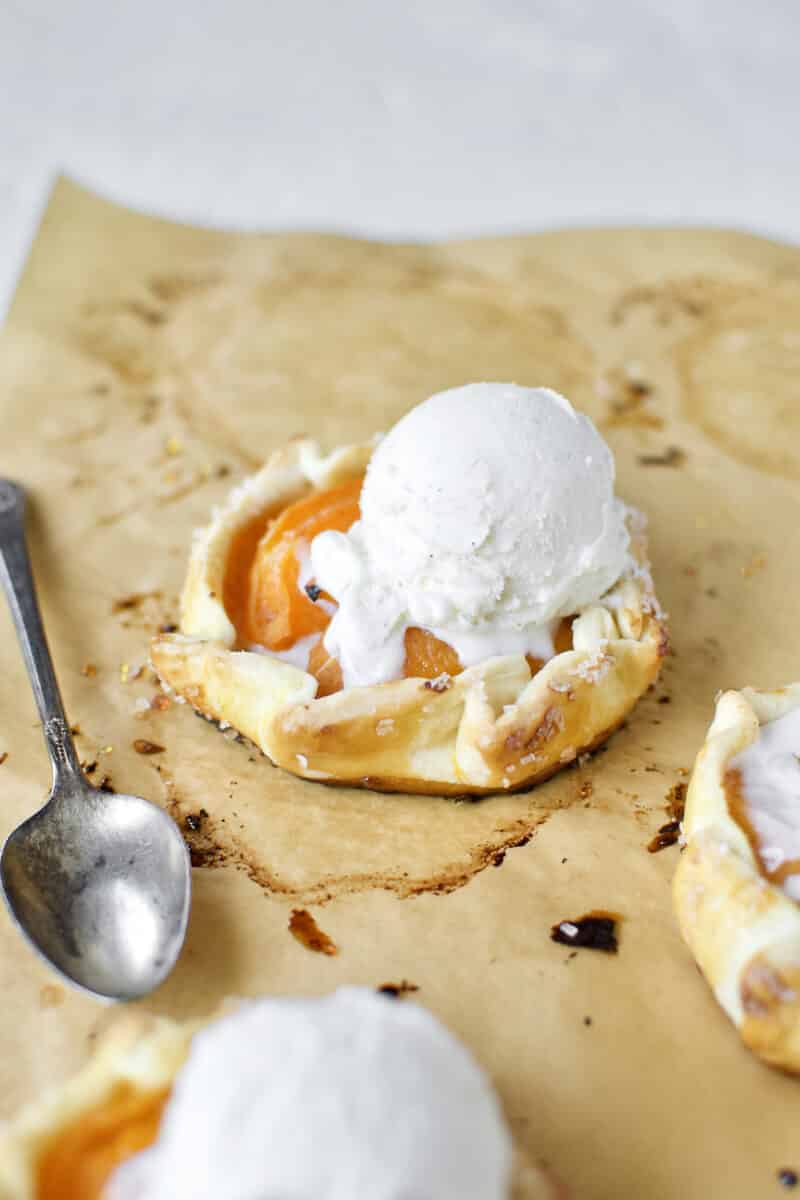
pixel 81 1159
pixel 325 669
pixel 277 613
pixel 427 657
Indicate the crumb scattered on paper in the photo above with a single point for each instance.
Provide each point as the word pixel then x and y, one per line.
pixel 593 931
pixel 303 927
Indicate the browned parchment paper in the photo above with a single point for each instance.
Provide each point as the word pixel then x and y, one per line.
pixel 146 367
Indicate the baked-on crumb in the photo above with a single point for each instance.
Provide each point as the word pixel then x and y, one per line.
pixel 667 836
pixel 304 928
pixel 676 801
pixel 194 821
pixel 673 456
pixel 142 746
pixel 594 931
pixel 3 757
pixel 126 603
pixel 396 990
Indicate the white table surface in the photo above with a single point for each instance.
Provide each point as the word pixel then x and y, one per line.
pixel 420 118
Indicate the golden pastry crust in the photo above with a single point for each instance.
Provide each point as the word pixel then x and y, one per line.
pixel 743 930
pixel 146 1053
pixel 490 728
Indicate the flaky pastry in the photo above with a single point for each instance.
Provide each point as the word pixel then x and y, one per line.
pixel 492 726
pixel 743 929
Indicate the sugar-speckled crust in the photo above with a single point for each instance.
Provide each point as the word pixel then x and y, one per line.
pixel 145 1053
pixel 490 728
pixel 743 930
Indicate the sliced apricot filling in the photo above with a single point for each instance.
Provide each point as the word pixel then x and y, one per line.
pixel 269 609
pixel 80 1160
pixel 276 613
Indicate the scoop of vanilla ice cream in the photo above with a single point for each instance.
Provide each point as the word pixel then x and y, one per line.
pixel 487 513
pixel 353 1095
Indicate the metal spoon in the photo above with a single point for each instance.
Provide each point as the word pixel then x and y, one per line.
pixel 99 883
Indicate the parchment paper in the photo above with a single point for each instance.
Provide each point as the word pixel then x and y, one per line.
pixel 144 368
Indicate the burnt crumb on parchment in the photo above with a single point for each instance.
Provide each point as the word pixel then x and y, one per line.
pixel 673 456
pixel 134 600
pixel 587 1021
pixel 3 757
pixel 168 627
pixel 788 1177
pixel 143 746
pixel 313 592
pixel 667 836
pixel 105 785
pixel 304 928
pixel 499 857
pixel 397 990
pixel 194 821
pixel 593 931
pixel 201 842
pixel 676 801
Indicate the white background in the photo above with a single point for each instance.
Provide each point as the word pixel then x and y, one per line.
pixel 414 118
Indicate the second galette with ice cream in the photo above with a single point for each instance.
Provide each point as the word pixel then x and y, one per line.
pixel 460 606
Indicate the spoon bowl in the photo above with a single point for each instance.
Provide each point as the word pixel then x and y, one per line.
pixel 100 884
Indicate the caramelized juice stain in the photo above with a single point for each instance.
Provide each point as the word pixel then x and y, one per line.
pixel 212 845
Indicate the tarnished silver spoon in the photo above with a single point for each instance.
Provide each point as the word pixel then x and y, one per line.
pixel 100 883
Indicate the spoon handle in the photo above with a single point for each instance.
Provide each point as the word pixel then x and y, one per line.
pixel 17 580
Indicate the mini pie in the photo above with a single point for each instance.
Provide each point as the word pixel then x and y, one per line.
pixel 731 895
pixel 69 1144
pixel 507 722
